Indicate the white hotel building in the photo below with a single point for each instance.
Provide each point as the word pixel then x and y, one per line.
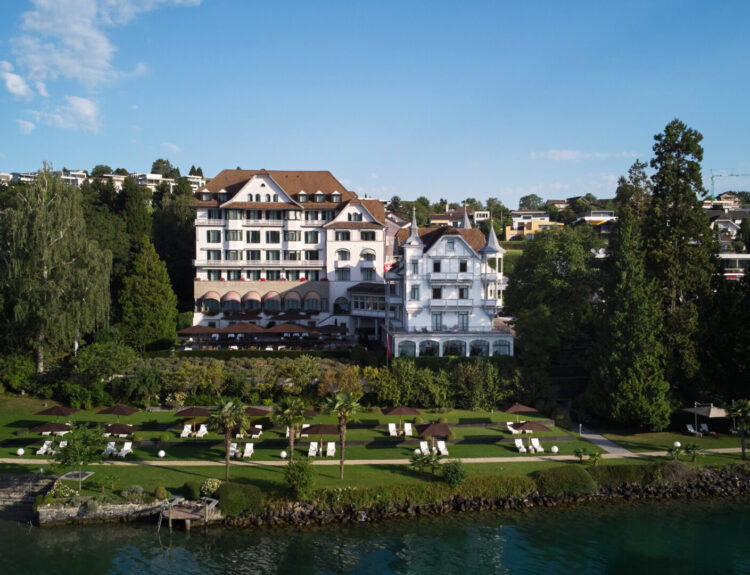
pixel 282 246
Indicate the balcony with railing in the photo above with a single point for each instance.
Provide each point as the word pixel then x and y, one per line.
pixel 448 304
pixel 451 278
pixel 209 222
pixel 259 263
pixel 263 223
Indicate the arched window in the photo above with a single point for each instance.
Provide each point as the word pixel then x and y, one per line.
pixel 276 197
pixel 312 302
pixel 454 347
pixel 268 197
pixel 292 301
pixel 501 347
pixel 342 255
pixel 341 306
pixel 251 301
pixel 257 197
pixel 272 302
pixel 479 348
pixel 407 349
pixel 210 303
pixel 429 347
pixel 367 255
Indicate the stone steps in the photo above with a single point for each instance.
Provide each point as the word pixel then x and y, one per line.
pixel 17 493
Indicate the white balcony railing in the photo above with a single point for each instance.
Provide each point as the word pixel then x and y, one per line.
pixel 209 222
pixel 258 263
pixel 263 223
pixel 451 277
pixel 451 303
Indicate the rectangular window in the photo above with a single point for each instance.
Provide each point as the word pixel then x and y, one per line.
pixel 414 293
pixel 233 235
pixel 436 266
pixel 214 275
pixel 252 255
pixel 354 217
pixel 292 236
pixel 437 321
pixel 437 293
pixel 232 255
pixel 415 267
pixel 292 275
pixel 253 214
pixel 302 198
pixel 252 236
pixel 312 275
pixel 234 214
pixel 213 255
pixel 367 236
pixel 451 245
pixel 463 293
pixel 253 275
pixel 214 214
pixel 311 237
pixel 368 275
pixel 273 237
pixel 273 275
pixel 327 215
pixel 312 255
pixel 463 265
pixel 342 236
pixel 463 321
pixel 343 274
pixel 213 236
pixel 312 215
pixel 273 255
pixel 292 256
pixel 274 215
pixel 234 275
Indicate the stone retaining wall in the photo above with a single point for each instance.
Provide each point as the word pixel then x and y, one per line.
pixel 101 513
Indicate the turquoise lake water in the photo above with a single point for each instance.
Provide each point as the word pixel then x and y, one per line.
pixel 706 537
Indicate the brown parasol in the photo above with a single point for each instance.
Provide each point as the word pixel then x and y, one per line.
pixel 400 410
pixel 118 410
pixel 322 429
pixel 51 428
pixel 520 408
pixel 433 429
pixel 120 429
pixel 193 412
pixel 256 412
pixel 59 411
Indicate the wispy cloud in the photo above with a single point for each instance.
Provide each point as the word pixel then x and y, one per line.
pixel 575 155
pixel 76 114
pixel 14 83
pixel 25 127
pixel 171 147
pixel 2 156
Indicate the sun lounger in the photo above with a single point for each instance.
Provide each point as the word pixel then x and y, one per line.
pixel 248 452
pixel 46 432
pixel 536 445
pixel 330 449
pixel 126 449
pixel 287 432
pixel 63 444
pixel 691 430
pixel 186 431
pixel 512 429
pixel 424 448
pixel 302 432
pixel 202 430
pixel 313 449
pixel 520 446
pixel 392 431
pixel 233 451
pixel 45 448
pixel 442 448
pixel 61 433
pixel 107 434
pixel 110 449
pixel 704 429
pixel 255 432
pixel 407 429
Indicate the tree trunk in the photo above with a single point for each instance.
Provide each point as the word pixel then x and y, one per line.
pixel 342 431
pixel 40 353
pixel 742 441
pixel 292 431
pixel 227 442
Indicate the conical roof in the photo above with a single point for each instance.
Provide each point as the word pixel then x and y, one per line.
pixel 466 223
pixel 414 239
pixel 492 246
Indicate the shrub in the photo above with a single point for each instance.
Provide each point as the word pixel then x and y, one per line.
pixel 164 438
pixel 615 475
pixel 237 499
pixel 132 493
pixel 417 420
pixel 675 471
pixel 62 491
pixel 562 418
pixel 137 437
pixel 442 420
pixel 210 486
pixel 299 478
pixel 91 506
pixel 571 479
pixel 160 493
pixel 191 490
pixel 454 473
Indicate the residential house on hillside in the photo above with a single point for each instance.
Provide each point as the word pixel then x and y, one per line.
pixel 454 217
pixel 526 223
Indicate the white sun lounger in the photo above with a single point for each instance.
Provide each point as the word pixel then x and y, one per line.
pixel 287 432
pixel 442 448
pixel 424 448
pixel 407 429
pixel 330 449
pixel 110 449
pixel 202 430
pixel 255 431
pixel 704 429
pixel 126 449
pixel 302 432
pixel 513 430
pixel 186 431
pixel 63 444
pixel 536 445
pixel 691 430
pixel 248 452
pixel 45 448
pixel 233 451
pixel 520 446
pixel 313 449
pixel 392 431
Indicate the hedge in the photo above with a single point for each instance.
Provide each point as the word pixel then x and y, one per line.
pixel 192 490
pixel 231 354
pixel 502 362
pixel 239 499
pixel 616 475
pixel 569 480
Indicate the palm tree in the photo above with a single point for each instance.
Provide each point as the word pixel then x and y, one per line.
pixel 740 411
pixel 343 405
pixel 230 416
pixel 290 412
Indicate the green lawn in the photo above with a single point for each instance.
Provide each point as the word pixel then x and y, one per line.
pixel 640 442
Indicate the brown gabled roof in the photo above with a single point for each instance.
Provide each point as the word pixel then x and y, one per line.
pixel 473 236
pixel 292 182
pixel 258 206
pixel 354 225
pixel 376 208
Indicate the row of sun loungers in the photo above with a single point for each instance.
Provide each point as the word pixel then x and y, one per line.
pixel 313 450
pixel 111 449
pixel 235 451
pixel 187 431
pixel 535 446
pixel 425 448
pixel 702 430
pixel 393 430
pixel 47 449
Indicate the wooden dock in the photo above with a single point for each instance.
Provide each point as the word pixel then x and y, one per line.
pixel 179 509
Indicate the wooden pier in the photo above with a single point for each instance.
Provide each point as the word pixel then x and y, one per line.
pixel 179 509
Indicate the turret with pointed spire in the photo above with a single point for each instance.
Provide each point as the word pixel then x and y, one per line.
pixel 413 239
pixel 466 223
pixel 492 246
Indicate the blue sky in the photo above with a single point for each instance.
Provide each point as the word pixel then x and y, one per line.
pixel 443 99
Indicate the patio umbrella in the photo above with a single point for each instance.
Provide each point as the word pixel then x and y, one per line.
pixel 120 429
pixel 322 429
pixel 50 428
pixel 520 408
pixel 433 429
pixel 530 426
pixel 118 410
pixel 256 412
pixel 193 412
pixel 58 410
pixel 400 410
pixel 710 411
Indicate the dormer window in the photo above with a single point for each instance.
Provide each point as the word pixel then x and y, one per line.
pixel 335 197
pixel 302 198
pixel 319 197
pixel 354 217
pixel 222 197
pixel 206 197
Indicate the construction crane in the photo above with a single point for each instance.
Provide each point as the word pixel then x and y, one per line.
pixel 729 175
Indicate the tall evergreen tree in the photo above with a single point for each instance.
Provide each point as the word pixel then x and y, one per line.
pixel 628 384
pixel 174 240
pixel 149 306
pixel 133 207
pixel 679 244
pixel 54 279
